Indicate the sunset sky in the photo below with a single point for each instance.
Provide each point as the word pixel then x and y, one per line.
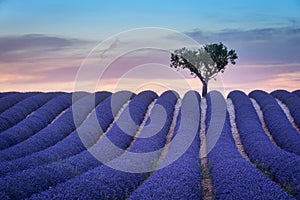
pixel 47 45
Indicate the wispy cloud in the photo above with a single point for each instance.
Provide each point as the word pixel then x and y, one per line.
pixel 14 48
pixel 40 59
pixel 267 45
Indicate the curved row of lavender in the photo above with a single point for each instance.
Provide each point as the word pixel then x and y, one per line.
pixel 72 144
pixel 9 99
pixel 108 183
pixel 182 178
pixel 45 154
pixel 278 164
pixel 277 122
pixel 35 122
pixel 61 127
pixel 233 176
pixel 291 100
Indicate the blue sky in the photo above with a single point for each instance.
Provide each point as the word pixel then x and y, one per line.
pixel 102 18
pixel 53 37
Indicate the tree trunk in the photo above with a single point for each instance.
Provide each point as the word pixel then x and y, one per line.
pixel 204 88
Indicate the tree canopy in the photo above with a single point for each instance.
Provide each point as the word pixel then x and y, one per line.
pixel 204 63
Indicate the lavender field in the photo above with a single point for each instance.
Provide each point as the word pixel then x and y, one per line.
pixel 59 145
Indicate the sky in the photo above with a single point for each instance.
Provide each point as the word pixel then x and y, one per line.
pixel 54 45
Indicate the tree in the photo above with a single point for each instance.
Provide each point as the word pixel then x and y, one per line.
pixel 204 63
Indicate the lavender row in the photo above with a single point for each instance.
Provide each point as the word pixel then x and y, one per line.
pixel 148 139
pixel 4 94
pixel 21 110
pixel 281 165
pixel 297 92
pixel 3 196
pixel 8 101
pixel 292 101
pixel 62 170
pixel 182 178
pixel 35 122
pixel 105 182
pixel 284 134
pixel 93 127
pixel 56 131
pixel 233 176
